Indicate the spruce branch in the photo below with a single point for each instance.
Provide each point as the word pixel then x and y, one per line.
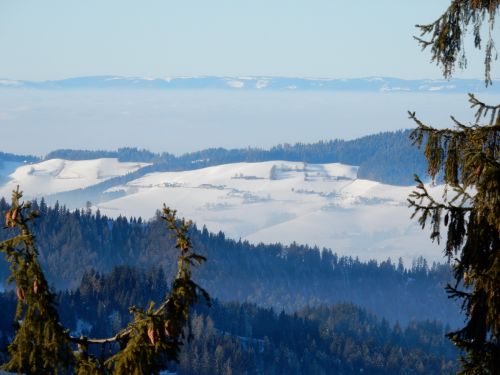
pixel 446 35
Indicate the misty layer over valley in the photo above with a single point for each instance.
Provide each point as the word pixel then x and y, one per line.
pixel 184 120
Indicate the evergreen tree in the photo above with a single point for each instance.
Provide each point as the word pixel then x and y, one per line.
pixel 468 157
pixel 41 344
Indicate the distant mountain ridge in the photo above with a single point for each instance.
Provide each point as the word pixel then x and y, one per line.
pixel 260 83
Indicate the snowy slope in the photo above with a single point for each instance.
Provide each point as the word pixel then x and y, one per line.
pixel 279 201
pixel 57 175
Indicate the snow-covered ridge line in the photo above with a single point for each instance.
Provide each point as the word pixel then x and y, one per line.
pixel 260 83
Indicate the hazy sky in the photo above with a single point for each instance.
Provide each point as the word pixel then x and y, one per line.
pixel 53 39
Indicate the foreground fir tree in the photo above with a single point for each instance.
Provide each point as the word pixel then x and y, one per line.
pixel 467 158
pixel 43 346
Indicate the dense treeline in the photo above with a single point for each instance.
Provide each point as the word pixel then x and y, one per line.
pixel 341 339
pixel 234 338
pixel 6 157
pixel 288 277
pixel 123 154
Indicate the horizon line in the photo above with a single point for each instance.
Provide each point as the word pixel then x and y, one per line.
pixel 241 77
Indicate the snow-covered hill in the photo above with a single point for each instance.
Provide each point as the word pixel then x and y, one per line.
pixel 279 201
pixel 275 201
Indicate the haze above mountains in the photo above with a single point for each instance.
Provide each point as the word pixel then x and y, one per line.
pixel 185 114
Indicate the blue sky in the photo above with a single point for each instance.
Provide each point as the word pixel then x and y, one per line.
pixel 54 39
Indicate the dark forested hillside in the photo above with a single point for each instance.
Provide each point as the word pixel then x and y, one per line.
pixel 234 338
pixel 283 277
